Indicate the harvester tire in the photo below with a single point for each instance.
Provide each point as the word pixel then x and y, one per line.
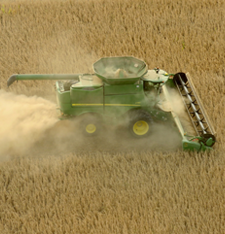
pixel 140 123
pixel 91 125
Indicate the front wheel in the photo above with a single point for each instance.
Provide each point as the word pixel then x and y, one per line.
pixel 140 124
pixel 91 125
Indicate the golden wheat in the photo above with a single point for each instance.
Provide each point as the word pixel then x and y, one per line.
pixel 57 187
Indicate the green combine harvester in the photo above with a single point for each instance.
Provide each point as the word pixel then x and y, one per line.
pixel 123 89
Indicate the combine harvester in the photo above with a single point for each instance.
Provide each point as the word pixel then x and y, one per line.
pixel 122 88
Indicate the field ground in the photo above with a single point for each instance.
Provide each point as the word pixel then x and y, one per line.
pixel 52 180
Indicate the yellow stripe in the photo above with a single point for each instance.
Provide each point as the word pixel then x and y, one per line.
pixel 121 105
pixel 87 104
pixel 75 104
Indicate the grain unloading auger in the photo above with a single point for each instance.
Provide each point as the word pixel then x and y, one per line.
pixel 123 90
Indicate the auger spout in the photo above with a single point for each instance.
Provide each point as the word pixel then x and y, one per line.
pixel 13 78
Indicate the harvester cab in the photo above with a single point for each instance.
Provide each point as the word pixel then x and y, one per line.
pixel 124 87
pixel 153 82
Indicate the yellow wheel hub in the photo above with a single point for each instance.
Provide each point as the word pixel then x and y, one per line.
pixel 90 128
pixel 140 128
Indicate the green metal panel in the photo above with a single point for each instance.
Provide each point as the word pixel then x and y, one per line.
pixel 63 100
pixel 88 80
pixel 122 98
pixel 191 145
pixel 120 104
pixel 79 110
pixel 89 96
pixel 123 89
pixel 86 100
pixel 64 97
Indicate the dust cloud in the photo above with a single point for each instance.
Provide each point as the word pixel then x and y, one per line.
pixel 177 105
pixel 24 121
pixel 66 136
pixel 30 127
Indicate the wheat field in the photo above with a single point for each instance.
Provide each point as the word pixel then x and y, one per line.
pixel 52 180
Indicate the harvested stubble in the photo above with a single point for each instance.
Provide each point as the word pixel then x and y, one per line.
pixel 108 192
